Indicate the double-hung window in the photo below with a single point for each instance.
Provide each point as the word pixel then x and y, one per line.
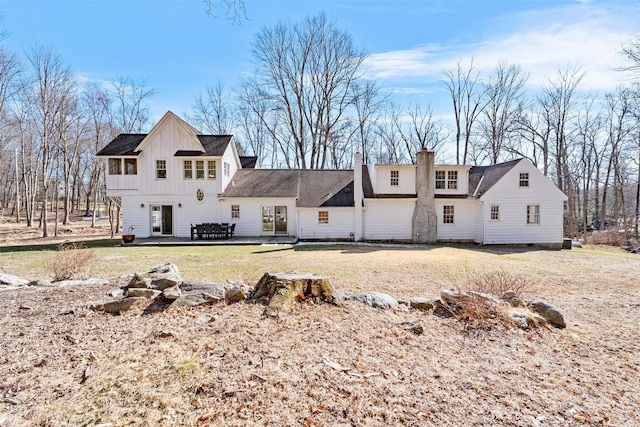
pixel 395 178
pixel 447 214
pixel 211 169
pixel 199 169
pixel 440 180
pixel 533 214
pixel 452 180
pixel 188 169
pixel 161 169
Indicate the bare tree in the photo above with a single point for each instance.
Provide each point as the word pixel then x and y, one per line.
pixel 420 131
pixel 305 71
pixel 131 114
pixel 368 106
pixel 468 98
pixel 233 9
pixel 502 110
pixel 212 111
pixel 49 93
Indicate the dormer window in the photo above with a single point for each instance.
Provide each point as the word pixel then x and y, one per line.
pixel 524 179
pixel 440 180
pixel 395 178
pixel 452 180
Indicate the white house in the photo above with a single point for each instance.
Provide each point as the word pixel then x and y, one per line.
pixel 174 177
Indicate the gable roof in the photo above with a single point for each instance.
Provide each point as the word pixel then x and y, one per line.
pixel 310 187
pixel 482 178
pixel 213 145
pixel 123 145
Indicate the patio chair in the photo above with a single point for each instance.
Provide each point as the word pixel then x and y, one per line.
pixel 209 230
pixel 218 232
pixel 231 230
pixel 200 230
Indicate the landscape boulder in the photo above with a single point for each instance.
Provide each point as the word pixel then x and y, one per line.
pixel 11 280
pixel 550 313
pixel 421 304
pixel 374 299
pixel 159 278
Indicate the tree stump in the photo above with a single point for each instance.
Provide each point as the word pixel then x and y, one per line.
pixel 284 289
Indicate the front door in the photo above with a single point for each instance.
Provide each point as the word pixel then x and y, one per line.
pixel 274 220
pixel 161 220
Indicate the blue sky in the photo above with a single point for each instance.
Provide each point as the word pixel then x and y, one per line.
pixel 179 50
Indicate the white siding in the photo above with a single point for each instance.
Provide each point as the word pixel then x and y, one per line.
pixel 341 223
pixel 406 179
pixel 512 228
pixel 250 221
pixel 464 227
pixel 388 219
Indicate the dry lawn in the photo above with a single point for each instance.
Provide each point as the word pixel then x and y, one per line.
pixel 230 366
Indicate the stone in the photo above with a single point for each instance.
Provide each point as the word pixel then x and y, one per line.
pixel 93 281
pixel 522 320
pixel 550 313
pixel 374 299
pixel 116 293
pixel 415 327
pixel 41 283
pixel 195 298
pixel 442 310
pixel 159 278
pixel 425 219
pixel 233 293
pixel 172 293
pixel 421 304
pixel 576 244
pixel 120 306
pixel 142 292
pixel 511 298
pixel 11 280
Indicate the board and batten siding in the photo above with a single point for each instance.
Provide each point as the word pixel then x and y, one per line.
pixel 465 216
pixel 512 227
pixel 250 222
pixel 388 219
pixel 341 223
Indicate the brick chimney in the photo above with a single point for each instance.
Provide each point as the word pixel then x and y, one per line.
pixel 425 221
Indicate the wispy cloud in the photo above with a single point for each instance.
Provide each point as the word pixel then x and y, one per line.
pixel 585 34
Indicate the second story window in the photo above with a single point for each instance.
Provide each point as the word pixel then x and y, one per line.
pixel 130 167
pixel 188 169
pixel 227 169
pixel 440 180
pixel 199 169
pixel 395 178
pixel 115 167
pixel 161 169
pixel 524 179
pixel 452 180
pixel 211 169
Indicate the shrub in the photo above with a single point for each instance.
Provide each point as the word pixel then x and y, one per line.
pixel 71 261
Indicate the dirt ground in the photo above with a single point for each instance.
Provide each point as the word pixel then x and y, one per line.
pixel 321 365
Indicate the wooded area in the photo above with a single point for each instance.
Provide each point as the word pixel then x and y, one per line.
pixel 311 104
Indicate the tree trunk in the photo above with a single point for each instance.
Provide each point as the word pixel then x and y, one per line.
pixel 284 289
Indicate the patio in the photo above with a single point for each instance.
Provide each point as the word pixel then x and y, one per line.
pixel 186 241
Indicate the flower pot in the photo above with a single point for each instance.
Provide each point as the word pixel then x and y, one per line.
pixel 128 238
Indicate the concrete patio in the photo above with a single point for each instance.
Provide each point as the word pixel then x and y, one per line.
pixel 186 241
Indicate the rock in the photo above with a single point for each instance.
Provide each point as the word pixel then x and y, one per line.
pixel 142 292
pixel 120 306
pixel 11 280
pixel 42 283
pixel 576 244
pixel 116 293
pixel 173 292
pixel 159 278
pixel 421 303
pixel 415 327
pixel 374 299
pixel 442 310
pixel 194 298
pixel 512 299
pixel 522 320
pixel 550 313
pixel 233 293
pixel 453 297
pixel 93 281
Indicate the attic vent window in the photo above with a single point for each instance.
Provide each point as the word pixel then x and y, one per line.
pixel 524 179
pixel 199 195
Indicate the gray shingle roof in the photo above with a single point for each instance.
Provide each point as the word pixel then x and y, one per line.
pixel 248 162
pixel 482 178
pixel 123 145
pixel 311 187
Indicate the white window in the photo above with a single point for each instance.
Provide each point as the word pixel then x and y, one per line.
pixel 199 169
pixel 130 167
pixel 227 169
pixel 188 169
pixel 211 169
pixel 115 167
pixel 161 169
pixel 533 214
pixel 323 217
pixel 452 180
pixel 447 214
pixel 440 180
pixel 495 212
pixel 524 179
pixel 235 211
pixel 395 178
